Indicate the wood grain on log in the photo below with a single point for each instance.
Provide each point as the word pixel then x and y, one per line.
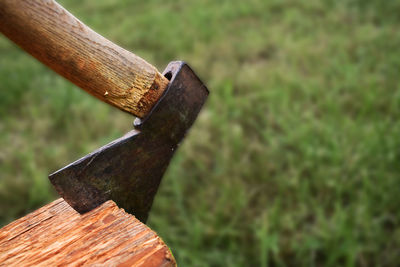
pixel 59 40
pixel 56 235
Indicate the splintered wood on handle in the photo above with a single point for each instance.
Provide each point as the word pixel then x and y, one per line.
pixel 55 37
pixel 56 235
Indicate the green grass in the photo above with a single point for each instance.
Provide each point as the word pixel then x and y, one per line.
pixel 295 160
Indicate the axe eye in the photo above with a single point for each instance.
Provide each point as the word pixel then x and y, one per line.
pixel 168 75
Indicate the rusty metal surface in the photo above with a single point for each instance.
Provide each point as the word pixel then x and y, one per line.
pixel 129 169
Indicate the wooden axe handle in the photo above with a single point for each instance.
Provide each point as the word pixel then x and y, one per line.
pixel 55 37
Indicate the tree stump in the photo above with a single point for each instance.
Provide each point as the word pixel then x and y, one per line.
pixel 56 235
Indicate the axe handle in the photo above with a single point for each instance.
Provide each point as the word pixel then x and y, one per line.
pixel 55 37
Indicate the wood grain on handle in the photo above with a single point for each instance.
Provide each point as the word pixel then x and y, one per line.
pixel 56 38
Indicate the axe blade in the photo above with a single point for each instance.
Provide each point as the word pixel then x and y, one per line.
pixel 129 169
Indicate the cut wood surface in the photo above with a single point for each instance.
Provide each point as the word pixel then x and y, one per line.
pixel 55 37
pixel 56 235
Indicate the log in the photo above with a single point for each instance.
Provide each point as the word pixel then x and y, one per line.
pixel 56 235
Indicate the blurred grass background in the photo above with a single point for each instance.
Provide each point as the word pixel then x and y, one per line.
pixel 295 160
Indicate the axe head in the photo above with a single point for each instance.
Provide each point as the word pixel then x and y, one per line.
pixel 129 169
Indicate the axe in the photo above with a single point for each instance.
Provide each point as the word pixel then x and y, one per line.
pixel 127 170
